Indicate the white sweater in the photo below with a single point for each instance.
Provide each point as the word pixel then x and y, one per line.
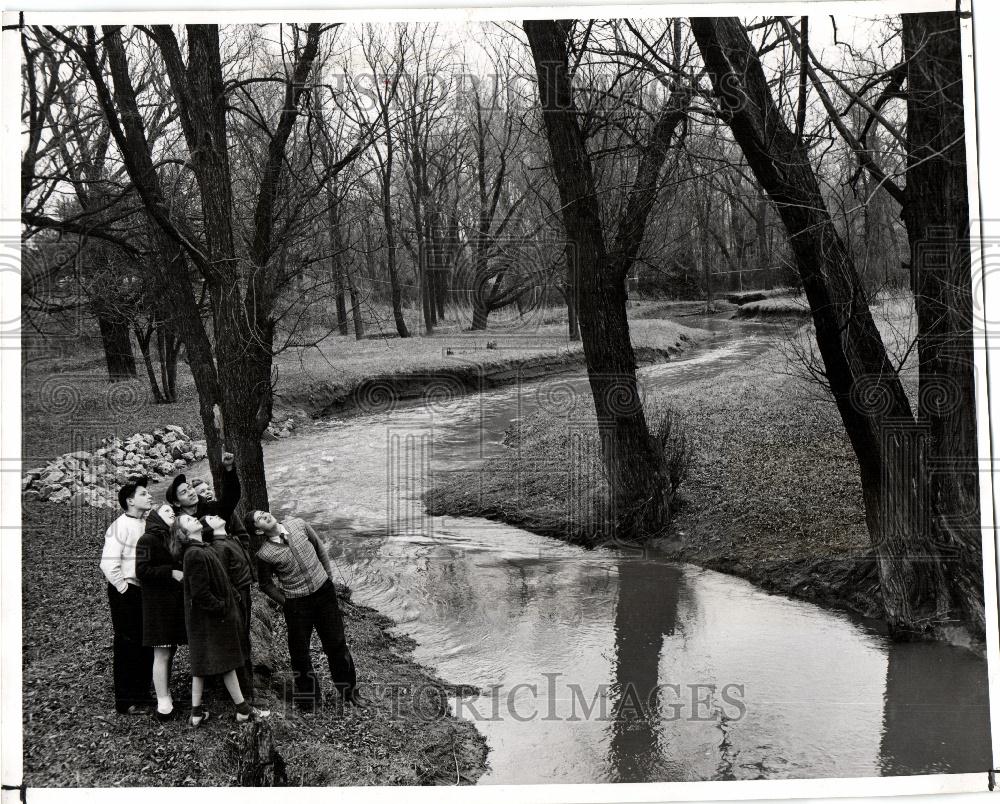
pixel 118 557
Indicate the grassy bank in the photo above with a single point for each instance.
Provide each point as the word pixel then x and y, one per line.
pixel 72 736
pixel 773 492
pixel 68 404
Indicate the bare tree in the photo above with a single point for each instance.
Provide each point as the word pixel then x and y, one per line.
pixel 919 586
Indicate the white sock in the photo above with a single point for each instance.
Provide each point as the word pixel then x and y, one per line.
pixel 164 705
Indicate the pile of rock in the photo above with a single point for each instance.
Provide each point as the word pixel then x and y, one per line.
pixel 93 478
pixel 276 430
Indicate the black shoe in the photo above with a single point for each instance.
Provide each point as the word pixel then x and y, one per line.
pixel 355 698
pixel 163 717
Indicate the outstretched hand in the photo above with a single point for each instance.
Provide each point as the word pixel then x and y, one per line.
pixel 228 460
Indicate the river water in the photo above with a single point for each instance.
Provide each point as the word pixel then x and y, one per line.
pixel 605 666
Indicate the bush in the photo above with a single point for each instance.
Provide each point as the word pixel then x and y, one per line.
pixel 667 434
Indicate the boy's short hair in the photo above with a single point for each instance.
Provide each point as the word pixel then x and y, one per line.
pixel 128 490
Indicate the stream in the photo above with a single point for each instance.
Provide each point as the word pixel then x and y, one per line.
pixel 606 666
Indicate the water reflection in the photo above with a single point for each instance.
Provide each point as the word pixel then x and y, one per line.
pixel 648 594
pixel 936 715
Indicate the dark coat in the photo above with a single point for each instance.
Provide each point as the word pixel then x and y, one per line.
pixel 213 617
pixel 235 558
pixel 162 596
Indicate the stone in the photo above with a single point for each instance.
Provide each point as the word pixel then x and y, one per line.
pixel 60 496
pixel 188 457
pixel 169 438
pixel 81 455
pixel 290 424
pixel 267 435
pixel 176 451
pixel 116 455
pixel 31 495
pixel 35 473
pixel 165 468
pixel 53 477
pixel 177 431
pixel 26 482
pixel 284 433
pixel 179 464
pixel 199 451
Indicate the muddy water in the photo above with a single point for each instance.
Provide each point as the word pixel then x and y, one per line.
pixel 608 666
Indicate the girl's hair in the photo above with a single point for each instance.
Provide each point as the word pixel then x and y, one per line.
pixel 178 538
pixel 207 532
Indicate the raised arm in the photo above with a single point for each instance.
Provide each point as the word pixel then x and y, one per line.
pixel 231 490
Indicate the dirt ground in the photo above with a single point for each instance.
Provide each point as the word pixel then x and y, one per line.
pixel 73 737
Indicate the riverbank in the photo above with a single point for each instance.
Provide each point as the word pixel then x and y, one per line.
pixel 772 495
pixel 73 737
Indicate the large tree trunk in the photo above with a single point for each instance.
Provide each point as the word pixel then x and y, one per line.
pixel 117 343
pixel 637 487
pixel 936 214
pixel 865 386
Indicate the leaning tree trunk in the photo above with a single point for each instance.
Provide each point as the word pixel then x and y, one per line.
pixel 117 343
pixel 637 486
pixel 866 387
pixel 936 214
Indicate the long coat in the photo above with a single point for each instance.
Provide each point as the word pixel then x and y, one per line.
pixel 213 617
pixel 162 595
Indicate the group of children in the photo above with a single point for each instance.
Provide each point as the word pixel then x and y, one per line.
pixel 180 574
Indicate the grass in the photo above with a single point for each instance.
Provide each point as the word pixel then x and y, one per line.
pixel 774 307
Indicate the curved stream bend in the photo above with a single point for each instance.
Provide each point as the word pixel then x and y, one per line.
pixel 598 666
